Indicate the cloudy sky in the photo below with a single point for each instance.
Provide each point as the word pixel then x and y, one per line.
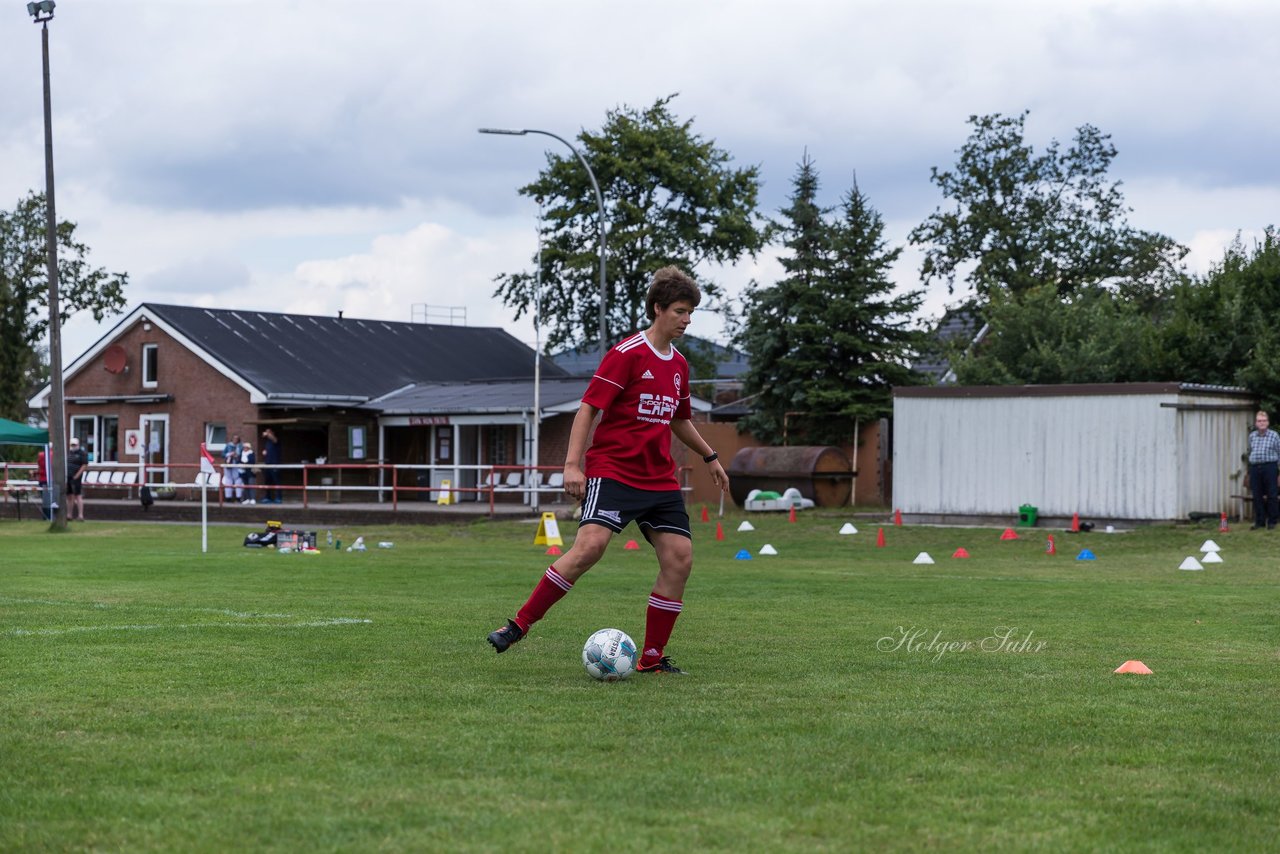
pixel 321 156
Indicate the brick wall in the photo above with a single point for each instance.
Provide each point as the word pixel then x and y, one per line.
pixel 200 394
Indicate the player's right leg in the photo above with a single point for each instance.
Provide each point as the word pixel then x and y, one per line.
pixel 588 547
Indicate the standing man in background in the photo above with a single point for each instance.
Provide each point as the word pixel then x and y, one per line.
pixel 77 463
pixel 270 458
pixel 42 480
pixel 1264 467
pixel 231 468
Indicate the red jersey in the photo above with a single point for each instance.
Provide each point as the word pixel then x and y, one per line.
pixel 639 391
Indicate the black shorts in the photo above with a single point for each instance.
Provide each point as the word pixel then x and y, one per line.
pixel 75 486
pixel 614 505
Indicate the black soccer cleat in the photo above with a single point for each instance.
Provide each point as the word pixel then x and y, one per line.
pixel 504 637
pixel 662 665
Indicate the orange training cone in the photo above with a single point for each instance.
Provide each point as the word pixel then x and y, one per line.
pixel 960 552
pixel 1009 534
pixel 631 545
pixel 719 531
pixel 705 517
pixel 879 538
pixel 1222 523
pixel 792 516
pixel 1133 667
pixel 554 550
pixel 1051 549
pixel 897 518
pixel 1075 522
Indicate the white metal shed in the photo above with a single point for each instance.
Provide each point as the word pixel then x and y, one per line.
pixel 1127 451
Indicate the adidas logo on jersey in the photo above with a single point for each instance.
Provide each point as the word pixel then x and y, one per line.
pixel 647 375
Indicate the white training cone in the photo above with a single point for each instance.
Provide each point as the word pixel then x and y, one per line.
pixel 1210 546
pixel 1212 557
pixel 923 557
pixel 1191 563
pixel 767 549
pixel 746 526
pixel 848 528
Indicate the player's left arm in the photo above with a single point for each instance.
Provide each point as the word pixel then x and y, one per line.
pixel 683 429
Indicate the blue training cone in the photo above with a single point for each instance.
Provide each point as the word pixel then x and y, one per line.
pixel 743 555
pixel 1085 554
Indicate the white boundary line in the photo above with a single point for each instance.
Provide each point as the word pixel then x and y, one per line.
pixel 296 622
pixel 308 624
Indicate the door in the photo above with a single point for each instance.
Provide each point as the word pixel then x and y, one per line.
pixel 155 447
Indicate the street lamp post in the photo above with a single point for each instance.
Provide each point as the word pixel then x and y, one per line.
pixel 599 207
pixel 42 13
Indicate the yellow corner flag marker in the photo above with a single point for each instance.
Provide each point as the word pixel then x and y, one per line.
pixel 548 531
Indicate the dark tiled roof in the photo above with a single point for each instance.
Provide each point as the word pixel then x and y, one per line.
pixel 481 397
pixel 292 356
pixel 962 324
pixel 730 363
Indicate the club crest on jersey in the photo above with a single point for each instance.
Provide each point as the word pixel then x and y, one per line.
pixel 677 385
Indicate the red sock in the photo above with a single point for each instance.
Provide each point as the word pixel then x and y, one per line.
pixel 660 619
pixel 550 590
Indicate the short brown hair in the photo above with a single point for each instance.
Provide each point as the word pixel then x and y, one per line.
pixel 671 285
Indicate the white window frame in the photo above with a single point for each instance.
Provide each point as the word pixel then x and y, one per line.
pixel 153 381
pixel 209 427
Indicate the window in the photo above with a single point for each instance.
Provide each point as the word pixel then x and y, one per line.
pixel 215 435
pixel 498 446
pixel 150 365
pixel 110 439
pixel 84 428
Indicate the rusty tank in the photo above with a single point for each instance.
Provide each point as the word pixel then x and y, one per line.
pixel 822 473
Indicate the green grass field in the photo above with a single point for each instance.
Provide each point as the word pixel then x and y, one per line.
pixel 841 698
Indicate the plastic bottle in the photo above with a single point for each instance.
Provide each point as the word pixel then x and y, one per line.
pixel 328 538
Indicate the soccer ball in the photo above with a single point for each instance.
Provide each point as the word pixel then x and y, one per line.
pixel 609 655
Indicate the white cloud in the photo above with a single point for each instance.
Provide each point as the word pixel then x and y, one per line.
pixel 323 156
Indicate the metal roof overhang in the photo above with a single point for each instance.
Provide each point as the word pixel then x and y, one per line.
pixel 99 399
pixel 281 398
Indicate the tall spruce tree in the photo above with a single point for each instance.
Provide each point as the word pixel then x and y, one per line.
pixel 827 342
pixel 770 336
pixel 872 329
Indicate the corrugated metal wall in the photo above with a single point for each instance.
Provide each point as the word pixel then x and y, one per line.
pixel 1106 456
pixel 1212 445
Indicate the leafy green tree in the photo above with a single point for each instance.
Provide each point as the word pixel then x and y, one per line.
pixel 1021 219
pixel 1222 327
pixel 1041 338
pixel 671 197
pixel 24 294
pixel 829 341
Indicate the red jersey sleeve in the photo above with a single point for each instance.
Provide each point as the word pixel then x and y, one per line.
pixel 609 380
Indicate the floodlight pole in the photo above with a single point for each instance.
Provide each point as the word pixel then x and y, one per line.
pixel 537 361
pixel 42 12
pixel 604 343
